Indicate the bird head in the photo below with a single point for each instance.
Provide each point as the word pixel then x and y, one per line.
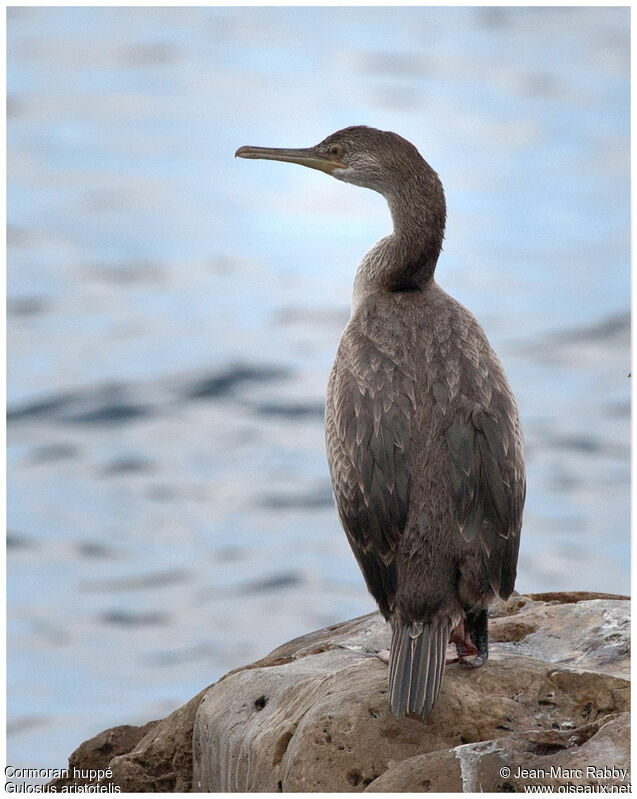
pixel 375 159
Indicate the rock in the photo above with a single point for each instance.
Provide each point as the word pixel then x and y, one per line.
pixel 592 634
pixel 550 758
pixel 162 761
pixel 313 715
pixel 156 758
pixel 97 752
pixel 551 706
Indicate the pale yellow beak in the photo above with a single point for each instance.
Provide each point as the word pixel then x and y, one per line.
pixel 304 157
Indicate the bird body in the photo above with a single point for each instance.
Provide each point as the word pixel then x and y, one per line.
pixel 413 384
pixel 423 436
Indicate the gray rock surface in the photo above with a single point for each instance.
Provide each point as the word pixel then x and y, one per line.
pixel 155 758
pixel 545 757
pixel 313 715
pixel 551 705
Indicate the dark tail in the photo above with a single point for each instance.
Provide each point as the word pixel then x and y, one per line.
pixel 417 665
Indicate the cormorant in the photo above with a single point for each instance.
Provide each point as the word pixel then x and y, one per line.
pixel 423 435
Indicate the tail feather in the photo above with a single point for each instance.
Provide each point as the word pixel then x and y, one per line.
pixel 416 666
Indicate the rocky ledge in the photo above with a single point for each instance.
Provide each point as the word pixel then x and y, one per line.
pixel 551 707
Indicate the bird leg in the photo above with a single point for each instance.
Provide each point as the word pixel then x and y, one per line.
pixel 476 627
pixel 464 645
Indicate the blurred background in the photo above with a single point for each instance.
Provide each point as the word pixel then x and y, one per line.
pixel 173 314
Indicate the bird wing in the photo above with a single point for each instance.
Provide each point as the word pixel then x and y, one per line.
pixel 488 482
pixel 370 404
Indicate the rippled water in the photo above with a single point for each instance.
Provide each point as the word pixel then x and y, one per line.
pixel 173 314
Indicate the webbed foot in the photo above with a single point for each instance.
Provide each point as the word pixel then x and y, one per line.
pixel 477 624
pixel 471 638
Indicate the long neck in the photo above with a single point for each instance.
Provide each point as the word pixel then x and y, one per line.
pixel 406 259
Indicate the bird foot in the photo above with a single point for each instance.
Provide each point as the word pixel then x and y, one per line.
pixel 475 662
pixel 472 640
pixel 464 645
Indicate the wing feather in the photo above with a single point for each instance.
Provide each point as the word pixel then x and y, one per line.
pixel 487 475
pixel 368 422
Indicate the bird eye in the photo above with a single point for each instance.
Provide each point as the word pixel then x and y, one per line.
pixel 336 151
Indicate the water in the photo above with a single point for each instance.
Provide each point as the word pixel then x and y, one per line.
pixel 173 314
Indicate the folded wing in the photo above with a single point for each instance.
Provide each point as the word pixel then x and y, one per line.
pixel 487 473
pixel 369 415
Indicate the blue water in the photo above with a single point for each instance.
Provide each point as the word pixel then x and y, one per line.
pixel 173 314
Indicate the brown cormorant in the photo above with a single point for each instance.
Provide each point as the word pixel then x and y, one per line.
pixel 423 435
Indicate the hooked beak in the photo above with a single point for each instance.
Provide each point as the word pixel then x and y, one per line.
pixel 304 156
